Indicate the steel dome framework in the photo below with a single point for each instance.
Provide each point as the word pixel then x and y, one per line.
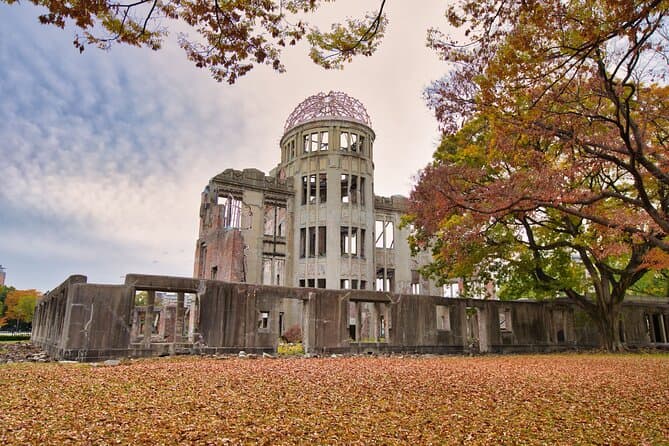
pixel 332 105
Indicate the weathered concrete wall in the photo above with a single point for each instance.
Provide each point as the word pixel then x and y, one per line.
pixel 84 321
pixel 87 321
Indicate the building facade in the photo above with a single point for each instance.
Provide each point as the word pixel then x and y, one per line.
pixel 314 221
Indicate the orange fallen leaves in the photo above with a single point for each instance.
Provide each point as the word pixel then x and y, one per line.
pixel 555 399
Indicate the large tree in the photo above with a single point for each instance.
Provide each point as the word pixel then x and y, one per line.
pixel 555 166
pixel 589 74
pixel 464 209
pixel 228 37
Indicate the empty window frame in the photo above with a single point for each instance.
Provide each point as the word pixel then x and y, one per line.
pixel 322 187
pixel 351 142
pixel 231 212
pixel 451 289
pixel 273 271
pixel 313 240
pixel 352 189
pixel 275 220
pixel 385 279
pixel 312 283
pixel 314 186
pixel 314 142
pixel 352 320
pixel 322 241
pixel 505 319
pixel 415 282
pixel 303 242
pixel 349 284
pixel 343 141
pixel 324 143
pixel 385 234
pixel 352 241
pixel 306 144
pixel 443 318
pixel 263 320
pixel 344 188
pixel 203 260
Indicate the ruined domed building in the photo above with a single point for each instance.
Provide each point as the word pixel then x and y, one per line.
pixel 314 221
pixel 314 227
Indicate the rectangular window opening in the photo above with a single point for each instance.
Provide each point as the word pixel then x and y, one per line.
pixel 312 241
pixel 263 320
pixel 344 188
pixel 505 319
pixel 231 212
pixel 354 142
pixel 343 141
pixel 303 242
pixel 324 140
pixel 322 187
pixel 322 241
pixel 443 318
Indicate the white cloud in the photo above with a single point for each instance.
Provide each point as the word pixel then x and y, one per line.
pixel 107 153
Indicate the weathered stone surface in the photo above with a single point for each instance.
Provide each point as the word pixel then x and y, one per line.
pixel 90 322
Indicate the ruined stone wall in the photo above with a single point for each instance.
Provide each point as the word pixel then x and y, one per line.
pixel 84 321
pixel 87 321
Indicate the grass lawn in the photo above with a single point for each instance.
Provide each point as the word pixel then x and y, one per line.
pixel 552 399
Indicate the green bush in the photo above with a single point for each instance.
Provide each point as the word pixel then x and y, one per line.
pixel 14 337
pixel 290 349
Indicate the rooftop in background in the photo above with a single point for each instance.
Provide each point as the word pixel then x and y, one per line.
pixel 333 105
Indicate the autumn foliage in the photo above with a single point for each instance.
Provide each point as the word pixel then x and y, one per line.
pixel 553 175
pixel 566 399
pixel 20 306
pixel 227 37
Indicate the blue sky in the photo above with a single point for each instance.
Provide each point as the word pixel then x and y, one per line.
pixel 103 155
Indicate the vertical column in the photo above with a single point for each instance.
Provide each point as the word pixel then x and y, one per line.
pixel 179 319
pixel 148 318
pixel 309 323
pixel 193 318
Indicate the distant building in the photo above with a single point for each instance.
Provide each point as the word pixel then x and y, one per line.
pixel 314 221
pixel 3 274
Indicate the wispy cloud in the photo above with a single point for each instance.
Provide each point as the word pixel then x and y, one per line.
pixel 103 155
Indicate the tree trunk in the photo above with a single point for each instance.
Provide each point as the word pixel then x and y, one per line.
pixel 607 324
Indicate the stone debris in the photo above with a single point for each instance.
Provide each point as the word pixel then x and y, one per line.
pixel 22 352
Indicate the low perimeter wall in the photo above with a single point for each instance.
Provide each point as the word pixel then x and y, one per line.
pixel 158 315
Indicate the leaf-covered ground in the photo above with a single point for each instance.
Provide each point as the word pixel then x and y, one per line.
pixel 554 399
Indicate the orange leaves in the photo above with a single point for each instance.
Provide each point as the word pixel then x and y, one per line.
pixel 21 304
pixel 557 399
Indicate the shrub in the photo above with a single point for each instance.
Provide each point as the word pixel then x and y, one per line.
pixel 291 349
pixel 293 334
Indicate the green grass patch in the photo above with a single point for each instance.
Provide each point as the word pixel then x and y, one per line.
pixel 14 338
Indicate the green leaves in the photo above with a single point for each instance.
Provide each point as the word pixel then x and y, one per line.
pixel 344 41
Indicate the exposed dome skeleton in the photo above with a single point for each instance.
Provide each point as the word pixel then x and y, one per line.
pixel 332 105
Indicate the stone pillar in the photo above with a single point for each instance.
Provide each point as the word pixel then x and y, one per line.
pixel 193 318
pixel 148 317
pixel 309 323
pixel 179 319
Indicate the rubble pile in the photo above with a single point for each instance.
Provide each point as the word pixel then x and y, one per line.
pixel 22 352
